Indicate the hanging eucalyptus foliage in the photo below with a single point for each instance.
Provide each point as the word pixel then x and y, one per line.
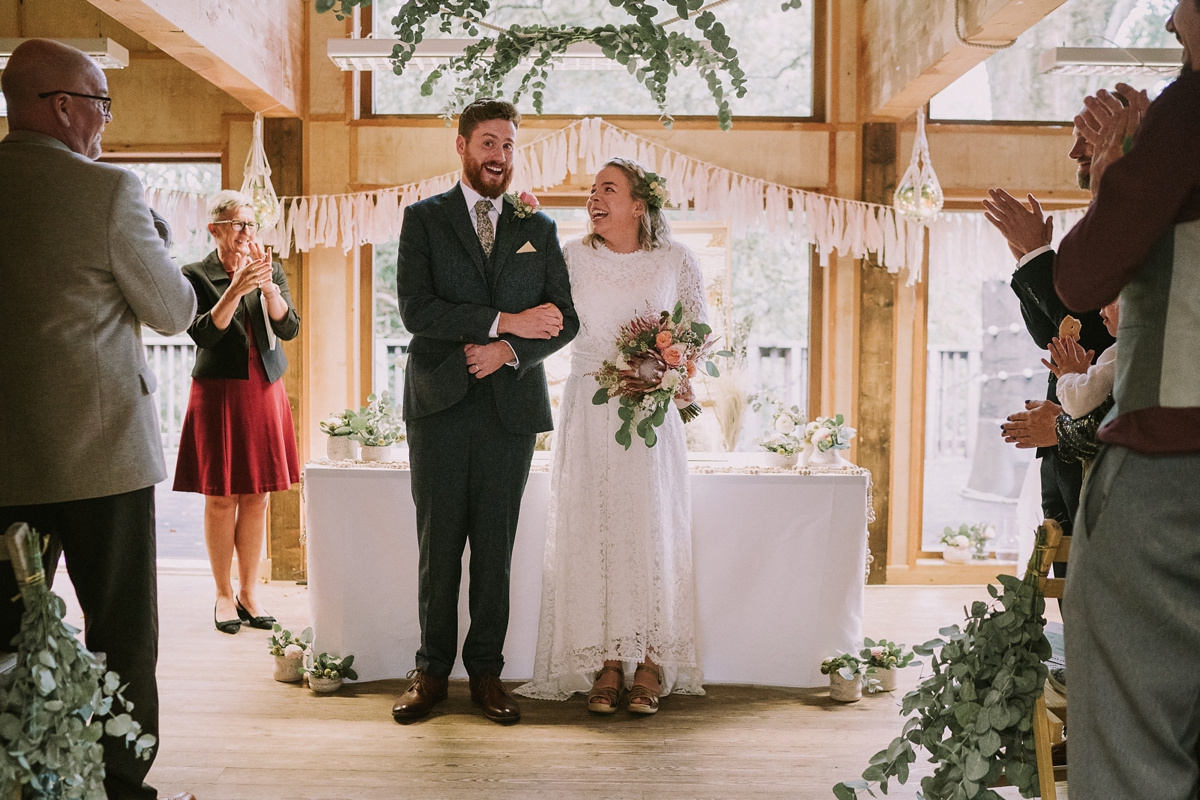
pixel 645 48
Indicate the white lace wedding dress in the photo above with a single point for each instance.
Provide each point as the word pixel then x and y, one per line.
pixel 617 581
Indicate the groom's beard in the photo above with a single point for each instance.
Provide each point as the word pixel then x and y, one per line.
pixel 486 183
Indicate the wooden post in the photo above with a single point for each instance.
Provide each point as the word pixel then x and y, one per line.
pixel 283 143
pixel 877 346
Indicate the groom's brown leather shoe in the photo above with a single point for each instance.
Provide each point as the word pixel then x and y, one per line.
pixel 423 694
pixel 498 704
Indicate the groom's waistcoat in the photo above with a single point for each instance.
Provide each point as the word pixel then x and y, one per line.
pixel 450 292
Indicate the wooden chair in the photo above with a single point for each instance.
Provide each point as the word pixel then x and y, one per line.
pixel 1050 711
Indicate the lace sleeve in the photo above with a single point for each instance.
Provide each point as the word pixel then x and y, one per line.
pixel 691 287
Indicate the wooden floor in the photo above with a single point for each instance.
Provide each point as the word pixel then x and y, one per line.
pixel 230 731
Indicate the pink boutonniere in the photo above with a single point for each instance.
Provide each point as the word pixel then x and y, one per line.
pixel 524 204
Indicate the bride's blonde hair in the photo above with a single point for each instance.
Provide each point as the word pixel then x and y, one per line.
pixel 653 230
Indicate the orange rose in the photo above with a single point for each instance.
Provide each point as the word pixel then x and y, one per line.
pixel 691 369
pixel 673 355
pixel 663 341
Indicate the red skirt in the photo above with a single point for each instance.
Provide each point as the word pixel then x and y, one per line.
pixel 238 436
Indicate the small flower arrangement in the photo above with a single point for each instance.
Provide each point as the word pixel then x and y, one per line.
pixel 966 537
pixel 524 204
pixel 286 644
pixel 657 356
pixel 331 667
pixel 845 664
pixel 339 424
pixel 378 424
pixel 829 433
pixel 785 422
pixel 886 655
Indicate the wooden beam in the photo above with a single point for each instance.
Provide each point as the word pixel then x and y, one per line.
pixel 910 50
pixel 253 49
pixel 282 139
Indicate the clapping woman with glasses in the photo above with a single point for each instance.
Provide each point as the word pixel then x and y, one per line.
pixel 238 443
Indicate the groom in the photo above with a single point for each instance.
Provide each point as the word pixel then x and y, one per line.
pixel 484 291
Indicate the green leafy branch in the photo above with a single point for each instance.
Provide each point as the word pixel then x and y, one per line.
pixel 974 715
pixel 644 48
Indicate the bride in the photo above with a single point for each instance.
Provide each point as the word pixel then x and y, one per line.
pixel 617 586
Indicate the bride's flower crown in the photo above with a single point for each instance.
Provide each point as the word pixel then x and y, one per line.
pixel 656 189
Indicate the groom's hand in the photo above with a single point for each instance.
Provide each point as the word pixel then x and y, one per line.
pixel 540 322
pixel 484 359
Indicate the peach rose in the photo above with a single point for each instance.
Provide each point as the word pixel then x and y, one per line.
pixel 663 340
pixel 673 355
pixel 691 369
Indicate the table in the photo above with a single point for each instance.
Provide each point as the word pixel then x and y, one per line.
pixel 779 560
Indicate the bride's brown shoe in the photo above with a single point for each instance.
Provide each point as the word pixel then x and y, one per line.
pixel 643 699
pixel 604 699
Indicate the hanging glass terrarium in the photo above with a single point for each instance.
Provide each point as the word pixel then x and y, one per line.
pixel 919 195
pixel 257 181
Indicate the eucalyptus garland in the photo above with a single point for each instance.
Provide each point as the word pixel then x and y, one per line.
pixel 645 48
pixel 974 715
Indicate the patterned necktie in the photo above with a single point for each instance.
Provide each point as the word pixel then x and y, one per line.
pixel 487 234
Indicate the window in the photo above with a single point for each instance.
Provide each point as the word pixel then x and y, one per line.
pixel 775 51
pixel 202 177
pixel 1010 86
pixel 764 276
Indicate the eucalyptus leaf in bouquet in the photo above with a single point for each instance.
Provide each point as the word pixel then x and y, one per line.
pixel 59 701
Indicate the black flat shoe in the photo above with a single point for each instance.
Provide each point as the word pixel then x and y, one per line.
pixel 264 622
pixel 229 625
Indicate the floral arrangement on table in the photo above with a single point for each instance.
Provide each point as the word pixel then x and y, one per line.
pixel 377 424
pixel 657 356
pixel 886 655
pixel 524 204
pixel 829 433
pixel 785 422
pixel 59 700
pixel 969 537
pixel 339 424
pixel 974 714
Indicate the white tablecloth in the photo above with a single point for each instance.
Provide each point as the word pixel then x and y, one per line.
pixel 779 562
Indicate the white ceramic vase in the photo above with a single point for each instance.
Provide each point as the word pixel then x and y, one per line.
pixel 786 460
pixel 958 555
pixel 887 678
pixel 339 448
pixel 370 453
pixel 844 691
pixel 828 458
pixel 806 454
pixel 289 670
pixel 324 685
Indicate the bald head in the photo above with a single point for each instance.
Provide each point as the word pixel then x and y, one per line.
pixel 39 66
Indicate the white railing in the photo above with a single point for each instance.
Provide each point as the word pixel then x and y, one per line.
pixel 780 368
pixel 171 358
pixel 951 403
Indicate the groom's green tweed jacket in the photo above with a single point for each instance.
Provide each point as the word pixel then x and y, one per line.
pixel 450 293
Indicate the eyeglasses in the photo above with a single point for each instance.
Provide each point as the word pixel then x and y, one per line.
pixel 105 102
pixel 238 225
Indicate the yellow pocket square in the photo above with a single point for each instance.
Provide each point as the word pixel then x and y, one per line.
pixel 527 248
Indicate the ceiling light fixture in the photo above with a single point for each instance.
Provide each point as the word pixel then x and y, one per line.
pixel 107 53
pixel 367 55
pixel 1111 60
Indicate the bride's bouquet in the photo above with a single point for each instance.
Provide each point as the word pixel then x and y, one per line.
pixel 657 356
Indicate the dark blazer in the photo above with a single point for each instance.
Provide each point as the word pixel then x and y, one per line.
pixel 1043 311
pixel 450 294
pixel 226 353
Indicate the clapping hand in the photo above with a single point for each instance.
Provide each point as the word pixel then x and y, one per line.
pixel 1034 427
pixel 250 275
pixel 1025 229
pixel 1109 125
pixel 265 284
pixel 1067 357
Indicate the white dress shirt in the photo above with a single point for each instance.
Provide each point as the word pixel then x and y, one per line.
pixel 472 197
pixel 1025 259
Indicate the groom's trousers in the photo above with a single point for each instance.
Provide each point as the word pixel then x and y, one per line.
pixel 468 475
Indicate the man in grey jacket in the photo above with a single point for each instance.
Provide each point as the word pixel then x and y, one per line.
pixel 81 270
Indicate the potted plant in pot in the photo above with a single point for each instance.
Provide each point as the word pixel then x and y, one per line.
pixel 782 444
pixel 377 427
pixel 847 675
pixel 289 651
pixel 886 658
pixel 828 436
pixel 328 672
pixel 967 542
pixel 340 444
